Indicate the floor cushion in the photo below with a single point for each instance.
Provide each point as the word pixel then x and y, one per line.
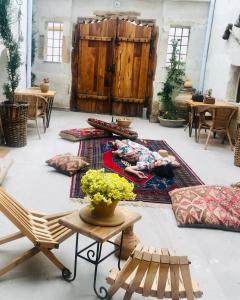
pixel 78 134
pixel 112 127
pixel 212 206
pixel 67 163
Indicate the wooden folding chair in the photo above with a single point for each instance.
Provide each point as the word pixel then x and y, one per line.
pixel 156 273
pixel 43 230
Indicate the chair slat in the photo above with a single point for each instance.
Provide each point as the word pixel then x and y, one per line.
pixel 35 227
pixel 156 273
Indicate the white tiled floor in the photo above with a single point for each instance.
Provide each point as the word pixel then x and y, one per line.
pixel 214 253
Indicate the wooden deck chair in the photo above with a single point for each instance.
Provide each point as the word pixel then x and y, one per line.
pixel 43 230
pixel 156 273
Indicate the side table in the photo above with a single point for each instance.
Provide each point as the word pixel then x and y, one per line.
pixel 48 95
pixel 93 252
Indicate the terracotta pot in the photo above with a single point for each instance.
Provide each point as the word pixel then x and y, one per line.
pixel 171 123
pixel 102 214
pixel 188 83
pixel 44 87
pixel 102 210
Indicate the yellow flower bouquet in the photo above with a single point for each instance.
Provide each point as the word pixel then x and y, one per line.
pixel 100 186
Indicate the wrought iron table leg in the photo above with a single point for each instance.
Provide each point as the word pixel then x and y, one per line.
pixel 93 257
pixel 102 292
pixel 66 275
pixel 49 110
pixel 195 122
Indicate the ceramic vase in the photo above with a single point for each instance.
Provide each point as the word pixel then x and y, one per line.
pixel 44 87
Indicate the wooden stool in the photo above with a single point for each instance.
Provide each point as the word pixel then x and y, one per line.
pixel 154 272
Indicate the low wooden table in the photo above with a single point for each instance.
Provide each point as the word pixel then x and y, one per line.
pixel 100 235
pixel 49 96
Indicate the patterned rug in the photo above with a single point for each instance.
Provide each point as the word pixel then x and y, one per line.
pixel 152 189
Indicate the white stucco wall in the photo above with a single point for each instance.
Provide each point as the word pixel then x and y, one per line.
pixel 223 65
pixel 23 47
pixel 191 13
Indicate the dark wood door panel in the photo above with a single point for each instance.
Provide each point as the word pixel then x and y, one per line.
pixel 111 62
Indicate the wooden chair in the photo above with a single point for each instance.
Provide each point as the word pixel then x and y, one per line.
pixel 156 273
pixel 37 108
pixel 221 119
pixel 194 117
pixel 43 230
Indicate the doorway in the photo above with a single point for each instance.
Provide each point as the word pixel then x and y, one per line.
pixel 113 65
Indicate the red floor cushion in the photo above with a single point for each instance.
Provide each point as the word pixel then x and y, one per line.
pixel 210 206
pixel 114 128
pixel 78 134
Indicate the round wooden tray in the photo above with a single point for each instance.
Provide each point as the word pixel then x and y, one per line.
pixel 116 219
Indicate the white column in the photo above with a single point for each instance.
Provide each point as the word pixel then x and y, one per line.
pixel 29 42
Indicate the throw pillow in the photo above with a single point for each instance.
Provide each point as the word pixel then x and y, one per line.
pixel 76 134
pixel 67 163
pixel 114 128
pixel 211 206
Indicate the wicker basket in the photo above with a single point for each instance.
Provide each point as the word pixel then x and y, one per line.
pixel 14 123
pixel 237 149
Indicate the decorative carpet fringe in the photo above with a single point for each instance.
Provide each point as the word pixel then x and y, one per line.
pixel 129 203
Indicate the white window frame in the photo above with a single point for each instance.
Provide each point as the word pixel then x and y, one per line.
pixel 54 42
pixel 174 34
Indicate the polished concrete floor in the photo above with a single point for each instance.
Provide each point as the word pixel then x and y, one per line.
pixel 214 254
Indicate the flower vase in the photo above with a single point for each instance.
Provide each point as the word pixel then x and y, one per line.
pixel 44 87
pixel 102 214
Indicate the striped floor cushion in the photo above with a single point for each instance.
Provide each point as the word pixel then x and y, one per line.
pixel 78 134
pixel 209 206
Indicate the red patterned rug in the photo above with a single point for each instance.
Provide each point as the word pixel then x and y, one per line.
pixel 153 189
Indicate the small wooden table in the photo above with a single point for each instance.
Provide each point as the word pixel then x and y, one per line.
pixel 100 235
pixel 49 97
pixel 196 105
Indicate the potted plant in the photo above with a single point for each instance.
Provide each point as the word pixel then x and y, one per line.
pixel 13 114
pixel 175 74
pixel 44 85
pixel 208 97
pixel 103 191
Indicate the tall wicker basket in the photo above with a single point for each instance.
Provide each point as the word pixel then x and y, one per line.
pixel 237 148
pixel 14 123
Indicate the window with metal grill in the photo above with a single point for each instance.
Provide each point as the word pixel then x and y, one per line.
pixel 54 41
pixel 180 34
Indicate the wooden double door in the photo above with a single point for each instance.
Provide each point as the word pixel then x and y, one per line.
pixel 113 64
